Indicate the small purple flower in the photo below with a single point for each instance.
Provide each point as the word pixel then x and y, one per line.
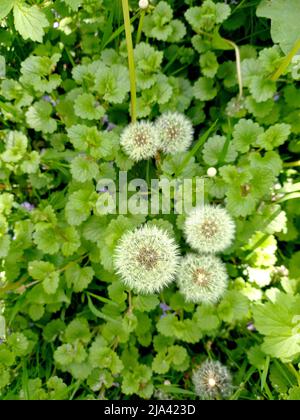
pixel 48 99
pixel 103 190
pixel 105 119
pixel 251 326
pixel 55 25
pixel 276 97
pixel 27 206
pixel 110 126
pixel 164 307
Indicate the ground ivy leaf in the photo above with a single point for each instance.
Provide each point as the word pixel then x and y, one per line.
pixel 38 117
pixel 30 21
pixel 86 107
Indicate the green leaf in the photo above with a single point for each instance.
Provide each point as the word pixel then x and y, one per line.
pixel 294 394
pixel 284 21
pixel 245 134
pixel 31 163
pixel 5 7
pixel 50 284
pixel 160 364
pixel 280 326
pixel 112 83
pixel 274 136
pixel 233 307
pixel 206 318
pixel 281 377
pixel 84 168
pixel 204 89
pixel 30 21
pixel 38 117
pixel 39 270
pixel 79 206
pixel 79 278
pixel 16 145
pixel 71 241
pixel 46 239
pixel 148 61
pixel 2 66
pixel 145 303
pixel 74 4
pixel 86 106
pixel 77 330
pixel 19 343
pixel 213 148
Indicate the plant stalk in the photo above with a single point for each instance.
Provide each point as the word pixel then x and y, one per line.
pixel 286 62
pixel 140 27
pixel 131 65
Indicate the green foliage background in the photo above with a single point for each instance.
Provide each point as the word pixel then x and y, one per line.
pixel 68 327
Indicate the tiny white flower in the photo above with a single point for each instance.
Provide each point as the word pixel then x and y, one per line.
pixel 143 4
pixel 211 172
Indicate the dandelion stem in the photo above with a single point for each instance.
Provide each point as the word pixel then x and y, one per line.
pixel 140 27
pixel 238 66
pixel 130 58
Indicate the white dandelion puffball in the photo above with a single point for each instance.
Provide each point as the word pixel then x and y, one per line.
pixel 143 4
pixel 175 131
pixel 140 140
pixel 212 380
pixel 147 259
pixel 209 229
pixel 202 278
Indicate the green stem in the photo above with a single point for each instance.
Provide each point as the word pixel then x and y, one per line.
pixel 291 164
pixel 286 62
pixel 140 27
pixel 238 66
pixel 130 58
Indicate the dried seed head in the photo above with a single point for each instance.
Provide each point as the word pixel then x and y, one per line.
pixel 146 259
pixel 212 380
pixel 202 278
pixel 176 132
pixel 140 140
pixel 209 229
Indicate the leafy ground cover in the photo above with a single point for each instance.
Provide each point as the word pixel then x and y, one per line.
pixel 95 305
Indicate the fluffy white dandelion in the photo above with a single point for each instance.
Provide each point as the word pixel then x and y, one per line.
pixel 202 278
pixel 175 131
pixel 147 259
pixel 140 140
pixel 209 229
pixel 212 380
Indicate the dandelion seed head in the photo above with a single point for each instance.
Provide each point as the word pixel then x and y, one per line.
pixel 175 131
pixel 212 380
pixel 209 229
pixel 146 259
pixel 140 140
pixel 202 278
